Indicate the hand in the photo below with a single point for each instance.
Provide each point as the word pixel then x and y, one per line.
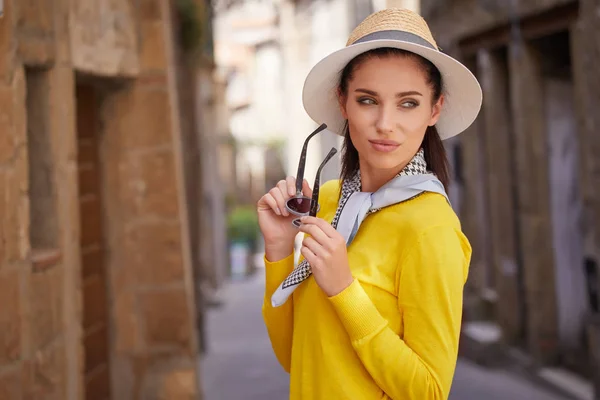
pixel 325 251
pixel 275 221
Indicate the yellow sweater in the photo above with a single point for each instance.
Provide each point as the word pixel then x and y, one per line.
pixel 393 333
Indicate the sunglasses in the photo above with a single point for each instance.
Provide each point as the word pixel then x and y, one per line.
pixel 314 202
pixel 299 205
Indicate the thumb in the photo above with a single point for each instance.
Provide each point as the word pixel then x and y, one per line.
pixel 306 190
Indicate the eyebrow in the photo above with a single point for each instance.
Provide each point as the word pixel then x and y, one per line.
pixel 401 94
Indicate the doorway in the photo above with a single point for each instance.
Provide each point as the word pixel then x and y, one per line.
pixel 95 325
pixel 565 199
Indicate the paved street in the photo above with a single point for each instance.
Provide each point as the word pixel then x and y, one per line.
pixel 240 364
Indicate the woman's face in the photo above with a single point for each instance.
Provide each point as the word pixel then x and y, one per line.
pixel 388 107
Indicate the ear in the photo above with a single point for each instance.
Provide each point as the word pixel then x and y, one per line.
pixel 342 104
pixel 436 111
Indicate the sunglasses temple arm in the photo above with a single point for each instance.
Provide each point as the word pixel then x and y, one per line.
pixel 302 163
pixel 314 204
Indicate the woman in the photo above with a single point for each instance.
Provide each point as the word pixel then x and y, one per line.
pixel 378 316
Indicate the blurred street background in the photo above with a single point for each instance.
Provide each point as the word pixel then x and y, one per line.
pixel 137 136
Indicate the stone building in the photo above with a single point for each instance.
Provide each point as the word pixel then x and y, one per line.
pixel 99 190
pixel 527 172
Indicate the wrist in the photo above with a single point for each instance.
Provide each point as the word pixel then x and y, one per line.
pixel 332 292
pixel 278 251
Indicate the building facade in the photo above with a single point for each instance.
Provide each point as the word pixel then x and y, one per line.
pixel 526 173
pixel 97 273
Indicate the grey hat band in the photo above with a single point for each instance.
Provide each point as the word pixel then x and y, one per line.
pixel 395 35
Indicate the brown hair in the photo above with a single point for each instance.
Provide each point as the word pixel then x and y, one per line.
pixel 435 153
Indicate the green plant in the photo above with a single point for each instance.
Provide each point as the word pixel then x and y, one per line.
pixel 242 225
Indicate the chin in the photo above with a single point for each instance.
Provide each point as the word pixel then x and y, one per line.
pixel 384 162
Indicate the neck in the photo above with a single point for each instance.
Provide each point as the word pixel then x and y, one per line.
pixel 373 178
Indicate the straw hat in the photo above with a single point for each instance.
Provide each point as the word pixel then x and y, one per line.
pixel 401 29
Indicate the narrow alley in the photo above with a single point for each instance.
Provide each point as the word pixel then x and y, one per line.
pixel 239 364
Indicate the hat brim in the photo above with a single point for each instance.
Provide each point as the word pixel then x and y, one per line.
pixel 462 92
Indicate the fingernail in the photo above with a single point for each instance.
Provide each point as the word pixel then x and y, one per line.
pixel 278 212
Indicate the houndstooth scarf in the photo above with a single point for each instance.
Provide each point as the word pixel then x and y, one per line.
pixel 348 217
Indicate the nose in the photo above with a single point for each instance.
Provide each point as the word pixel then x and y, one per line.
pixel 385 120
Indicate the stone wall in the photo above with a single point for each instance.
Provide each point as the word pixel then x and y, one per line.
pixel 586 58
pixel 152 313
pixel 513 121
pixel 35 30
pixel 104 38
pixel 454 20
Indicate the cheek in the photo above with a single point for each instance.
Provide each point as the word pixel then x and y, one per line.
pixel 361 114
pixel 417 120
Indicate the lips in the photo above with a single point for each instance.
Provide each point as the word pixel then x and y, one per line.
pixel 384 146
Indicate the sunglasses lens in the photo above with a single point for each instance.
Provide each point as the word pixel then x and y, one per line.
pixel 299 205
pixel 297 222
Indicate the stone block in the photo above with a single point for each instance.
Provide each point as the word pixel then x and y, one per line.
pixel 92 262
pixel 7 139
pixel 16 224
pixel 95 302
pixel 96 349
pixel 35 16
pixel 91 221
pixel 45 318
pixel 103 37
pixel 11 346
pixel 7 43
pixel 150 185
pixel 61 113
pixel 36 51
pixel 87 152
pixel 44 375
pixel 12 117
pixel 98 385
pixel 153 253
pixel 153 55
pixel 149 10
pixel 166 318
pixel 127 327
pixel 19 86
pixel 179 385
pixel 3 213
pixel 89 180
pixel 10 384
pixel 145 117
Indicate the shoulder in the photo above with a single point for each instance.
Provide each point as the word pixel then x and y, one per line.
pixel 424 212
pixel 430 218
pixel 430 231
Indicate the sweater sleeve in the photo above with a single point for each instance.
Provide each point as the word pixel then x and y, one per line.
pixel 421 365
pixel 279 321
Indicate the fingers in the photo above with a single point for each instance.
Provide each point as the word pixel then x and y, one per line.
pixel 280 197
pixel 277 197
pixel 309 256
pixel 315 232
pixel 268 202
pixel 306 190
pixel 323 225
pixel 291 185
pixel 315 247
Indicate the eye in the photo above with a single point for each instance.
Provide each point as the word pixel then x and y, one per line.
pixel 409 104
pixel 366 101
